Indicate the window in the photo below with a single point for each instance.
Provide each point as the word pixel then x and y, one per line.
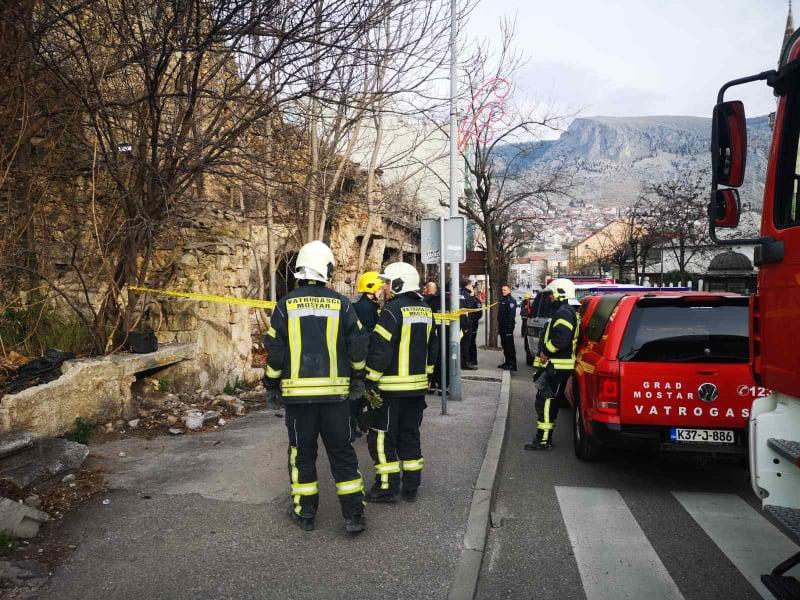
pixel 714 332
pixel 599 320
pixel 787 185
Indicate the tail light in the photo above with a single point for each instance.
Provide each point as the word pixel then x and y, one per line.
pixel 608 395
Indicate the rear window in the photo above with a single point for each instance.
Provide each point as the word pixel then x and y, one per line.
pixel 600 316
pixel 714 332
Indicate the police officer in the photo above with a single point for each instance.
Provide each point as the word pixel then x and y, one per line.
pixel 317 348
pixel 469 325
pixel 555 361
pixel 525 309
pixel 401 355
pixel 506 315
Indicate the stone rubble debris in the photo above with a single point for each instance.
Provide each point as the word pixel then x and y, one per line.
pixel 11 443
pixel 134 423
pixel 68 477
pixel 20 519
pixel 48 459
pixel 34 501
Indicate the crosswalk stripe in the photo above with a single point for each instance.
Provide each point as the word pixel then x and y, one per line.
pixel 749 541
pixel 614 557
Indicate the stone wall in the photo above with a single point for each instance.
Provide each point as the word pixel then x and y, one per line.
pixel 94 388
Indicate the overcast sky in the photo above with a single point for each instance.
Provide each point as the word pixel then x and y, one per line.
pixel 639 57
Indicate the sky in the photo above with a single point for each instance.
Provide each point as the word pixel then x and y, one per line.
pixel 638 57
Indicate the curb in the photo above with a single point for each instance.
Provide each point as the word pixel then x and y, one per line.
pixel 464 583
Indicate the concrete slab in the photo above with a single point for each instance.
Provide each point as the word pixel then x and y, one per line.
pixel 47 460
pixel 19 519
pixel 11 443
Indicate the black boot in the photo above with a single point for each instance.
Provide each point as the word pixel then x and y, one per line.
pixel 503 366
pixel 304 523
pixel 381 496
pixel 355 524
pixel 538 446
pixel 410 495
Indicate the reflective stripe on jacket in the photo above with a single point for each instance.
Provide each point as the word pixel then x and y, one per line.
pixel 560 338
pixel 314 343
pixel 402 351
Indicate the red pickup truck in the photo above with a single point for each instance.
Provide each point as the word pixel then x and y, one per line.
pixel 665 370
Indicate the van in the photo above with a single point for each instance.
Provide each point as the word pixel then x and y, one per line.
pixel 664 370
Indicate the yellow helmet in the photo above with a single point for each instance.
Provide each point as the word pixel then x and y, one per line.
pixel 370 282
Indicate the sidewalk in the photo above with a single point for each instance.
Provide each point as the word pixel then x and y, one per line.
pixel 205 516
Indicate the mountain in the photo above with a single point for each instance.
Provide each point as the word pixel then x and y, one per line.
pixel 614 157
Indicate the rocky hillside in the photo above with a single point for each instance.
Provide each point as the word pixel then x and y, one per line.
pixel 616 156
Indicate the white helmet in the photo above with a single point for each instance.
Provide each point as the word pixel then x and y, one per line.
pixel 314 261
pixel 402 277
pixel 563 289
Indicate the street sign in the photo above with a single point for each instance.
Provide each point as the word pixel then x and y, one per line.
pixel 455 240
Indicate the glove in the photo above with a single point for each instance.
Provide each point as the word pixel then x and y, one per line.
pixel 374 400
pixel 375 417
pixel 357 387
pixel 273 392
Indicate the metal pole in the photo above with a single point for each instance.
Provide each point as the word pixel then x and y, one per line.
pixel 455 326
pixel 443 325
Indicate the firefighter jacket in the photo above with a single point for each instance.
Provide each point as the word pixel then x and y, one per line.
pixel 367 311
pixel 402 351
pixel 314 343
pixel 506 314
pixel 560 337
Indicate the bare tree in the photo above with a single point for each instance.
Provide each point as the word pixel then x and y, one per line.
pixel 510 204
pixel 675 212
pixel 168 92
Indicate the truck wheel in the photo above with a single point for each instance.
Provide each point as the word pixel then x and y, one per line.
pixel 586 447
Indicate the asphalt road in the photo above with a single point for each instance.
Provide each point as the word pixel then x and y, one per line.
pixel 631 526
pixel 206 516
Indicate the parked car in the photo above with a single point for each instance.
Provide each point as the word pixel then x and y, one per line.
pixel 663 370
pixel 540 312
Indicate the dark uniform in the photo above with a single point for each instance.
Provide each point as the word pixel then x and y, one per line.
pixel 315 343
pixel 468 328
pixel 473 342
pixel 558 345
pixel 367 311
pixel 402 354
pixel 506 316
pixel 435 302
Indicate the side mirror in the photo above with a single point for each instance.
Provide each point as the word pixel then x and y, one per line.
pixel 728 143
pixel 726 208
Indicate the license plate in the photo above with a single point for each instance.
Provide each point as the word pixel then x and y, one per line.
pixel 701 436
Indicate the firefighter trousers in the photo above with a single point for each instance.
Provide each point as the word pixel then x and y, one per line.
pixel 548 397
pixel 394 444
pixel 330 421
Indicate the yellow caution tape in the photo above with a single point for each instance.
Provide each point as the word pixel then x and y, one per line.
pixel 456 314
pixel 251 302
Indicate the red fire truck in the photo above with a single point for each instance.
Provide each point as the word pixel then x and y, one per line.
pixel 775 308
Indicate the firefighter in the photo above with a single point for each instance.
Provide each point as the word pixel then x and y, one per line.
pixel 368 305
pixel 506 315
pixel 555 361
pixel 317 349
pixel 402 353
pixel 367 308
